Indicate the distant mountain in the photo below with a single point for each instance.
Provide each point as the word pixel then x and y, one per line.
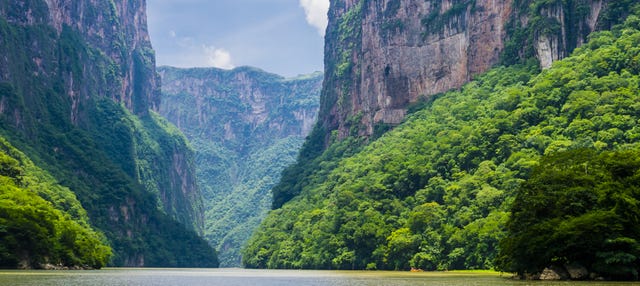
pixel 78 90
pixel 245 125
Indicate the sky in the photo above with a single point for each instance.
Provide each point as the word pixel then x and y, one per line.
pixel 285 37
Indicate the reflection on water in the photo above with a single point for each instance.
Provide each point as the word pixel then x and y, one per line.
pixel 197 277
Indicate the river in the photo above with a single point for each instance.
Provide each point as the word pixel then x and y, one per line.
pixel 224 277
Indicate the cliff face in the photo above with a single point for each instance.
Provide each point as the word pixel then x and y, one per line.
pixel 382 55
pixel 245 125
pixel 555 29
pixel 262 106
pixel 119 29
pixel 79 90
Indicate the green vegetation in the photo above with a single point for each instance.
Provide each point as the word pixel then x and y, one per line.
pixel 542 20
pixel 349 30
pixel 312 165
pixel 581 208
pixel 436 192
pixel 234 213
pixel 435 21
pixel 144 147
pixel 58 101
pixel 245 127
pixel 42 222
pixel 344 42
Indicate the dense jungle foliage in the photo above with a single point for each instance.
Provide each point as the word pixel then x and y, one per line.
pixel 42 222
pixel 436 192
pixel 577 208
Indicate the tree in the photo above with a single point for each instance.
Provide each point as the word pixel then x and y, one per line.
pixel 578 207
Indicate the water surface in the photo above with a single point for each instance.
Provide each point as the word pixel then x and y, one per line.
pixel 201 277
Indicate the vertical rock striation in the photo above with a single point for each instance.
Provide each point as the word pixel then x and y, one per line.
pixel 119 29
pixel 255 106
pixel 382 55
pixel 79 90
pixel 555 28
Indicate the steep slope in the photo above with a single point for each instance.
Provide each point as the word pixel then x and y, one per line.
pixel 245 125
pixel 78 84
pixel 43 223
pixel 382 55
pixel 435 192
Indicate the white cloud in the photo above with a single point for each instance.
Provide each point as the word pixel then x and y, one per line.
pixel 316 11
pixel 192 53
pixel 218 57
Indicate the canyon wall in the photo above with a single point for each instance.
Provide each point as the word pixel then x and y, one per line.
pixel 383 55
pixel 79 90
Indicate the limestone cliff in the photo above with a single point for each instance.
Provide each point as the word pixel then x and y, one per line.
pixel 262 105
pixel 382 55
pixel 245 125
pixel 79 88
pixel 119 29
pixel 554 29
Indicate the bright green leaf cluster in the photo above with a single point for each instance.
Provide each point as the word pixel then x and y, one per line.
pixel 41 222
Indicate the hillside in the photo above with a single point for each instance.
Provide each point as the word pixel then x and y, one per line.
pixel 78 90
pixel 436 191
pixel 43 223
pixel 245 126
pixel 383 57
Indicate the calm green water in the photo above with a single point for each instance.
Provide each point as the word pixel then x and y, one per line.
pixel 197 277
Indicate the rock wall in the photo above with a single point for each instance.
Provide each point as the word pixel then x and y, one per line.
pixel 383 55
pixel 405 50
pixel 77 87
pixel 119 29
pixel 254 103
pixel 245 126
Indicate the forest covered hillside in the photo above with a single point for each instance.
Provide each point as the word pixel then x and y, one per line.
pixel 437 192
pixel 78 90
pixel 245 126
pixel 42 221
pixel 384 57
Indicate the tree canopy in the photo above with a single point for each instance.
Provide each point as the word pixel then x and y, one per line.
pixel 42 222
pixel 578 207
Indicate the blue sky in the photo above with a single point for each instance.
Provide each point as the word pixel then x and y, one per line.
pixel 280 36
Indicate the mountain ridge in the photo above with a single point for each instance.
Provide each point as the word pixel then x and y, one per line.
pixel 245 126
